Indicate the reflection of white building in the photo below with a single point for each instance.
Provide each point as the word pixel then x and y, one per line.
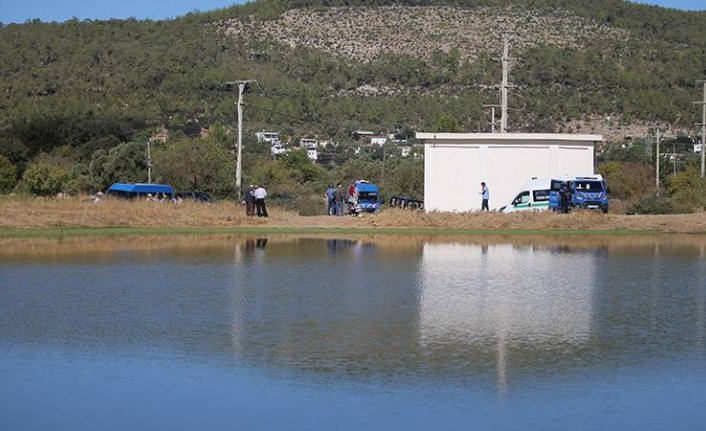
pixel 474 293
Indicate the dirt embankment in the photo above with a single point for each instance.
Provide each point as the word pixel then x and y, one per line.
pixel 22 214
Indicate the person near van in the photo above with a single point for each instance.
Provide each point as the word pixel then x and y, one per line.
pixel 331 199
pixel 249 200
pixel 565 198
pixel 485 196
pixel 340 199
pixel 260 194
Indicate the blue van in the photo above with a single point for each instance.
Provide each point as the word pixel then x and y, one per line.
pixel 368 198
pixel 589 191
pixel 137 190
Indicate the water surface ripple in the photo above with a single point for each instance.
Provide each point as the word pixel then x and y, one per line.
pixel 349 333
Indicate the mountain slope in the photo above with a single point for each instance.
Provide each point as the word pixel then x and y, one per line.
pixel 326 68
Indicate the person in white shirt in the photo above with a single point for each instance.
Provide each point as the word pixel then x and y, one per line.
pixel 485 192
pixel 260 194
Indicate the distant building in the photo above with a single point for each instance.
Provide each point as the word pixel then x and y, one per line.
pixel 277 149
pixel 269 137
pixel 361 134
pixel 456 163
pixel 378 140
pixel 309 144
pixel 405 150
pixel 312 153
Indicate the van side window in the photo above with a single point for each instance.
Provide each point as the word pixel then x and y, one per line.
pixel 522 198
pixel 541 195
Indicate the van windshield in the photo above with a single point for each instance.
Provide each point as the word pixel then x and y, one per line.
pixel 588 186
pixel 368 196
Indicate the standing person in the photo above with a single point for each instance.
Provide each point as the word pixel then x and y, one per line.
pixel 260 194
pixel 485 192
pixel 340 198
pixel 331 199
pixel 249 200
pixel 565 198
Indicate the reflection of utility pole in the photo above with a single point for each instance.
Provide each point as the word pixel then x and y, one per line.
pixel 492 115
pixel 239 162
pixel 149 162
pixel 703 129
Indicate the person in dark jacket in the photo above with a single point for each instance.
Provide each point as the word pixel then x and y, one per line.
pixel 565 198
pixel 331 199
pixel 249 200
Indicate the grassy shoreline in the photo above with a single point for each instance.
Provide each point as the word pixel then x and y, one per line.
pixel 274 230
pixel 74 217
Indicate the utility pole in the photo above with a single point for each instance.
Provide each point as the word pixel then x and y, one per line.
pixel 703 128
pixel 492 115
pixel 505 85
pixel 149 162
pixel 239 163
pixel 657 164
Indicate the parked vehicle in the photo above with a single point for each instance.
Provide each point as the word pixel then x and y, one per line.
pixel 588 191
pixel 138 190
pixel 367 198
pixel 533 195
pixel 406 202
pixel 196 196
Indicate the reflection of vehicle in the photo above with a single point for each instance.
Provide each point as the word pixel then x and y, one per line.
pixel 534 195
pixel 136 190
pixel 367 198
pixel 406 202
pixel 588 191
pixel 196 196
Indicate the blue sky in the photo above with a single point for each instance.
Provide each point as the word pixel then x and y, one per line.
pixel 57 10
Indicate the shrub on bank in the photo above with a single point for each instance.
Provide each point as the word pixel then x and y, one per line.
pixel 652 205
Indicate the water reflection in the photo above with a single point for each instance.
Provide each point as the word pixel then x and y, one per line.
pixel 489 309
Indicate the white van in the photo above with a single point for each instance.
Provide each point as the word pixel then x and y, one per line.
pixel 534 195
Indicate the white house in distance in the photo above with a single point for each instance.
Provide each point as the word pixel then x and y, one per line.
pixel 456 163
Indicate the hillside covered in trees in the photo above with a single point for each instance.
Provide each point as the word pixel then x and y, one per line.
pixel 80 99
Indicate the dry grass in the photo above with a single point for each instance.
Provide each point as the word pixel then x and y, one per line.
pixel 22 214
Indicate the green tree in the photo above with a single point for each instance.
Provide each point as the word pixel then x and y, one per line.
pixel 687 190
pixel 126 162
pixel 43 178
pixel 202 164
pixel 447 123
pixel 304 169
pixel 8 174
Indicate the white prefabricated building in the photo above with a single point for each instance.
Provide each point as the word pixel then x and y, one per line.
pixel 456 163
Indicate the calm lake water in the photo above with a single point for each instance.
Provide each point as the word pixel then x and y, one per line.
pixel 225 333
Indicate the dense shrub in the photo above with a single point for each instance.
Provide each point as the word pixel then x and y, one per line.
pixel 652 205
pixel 7 175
